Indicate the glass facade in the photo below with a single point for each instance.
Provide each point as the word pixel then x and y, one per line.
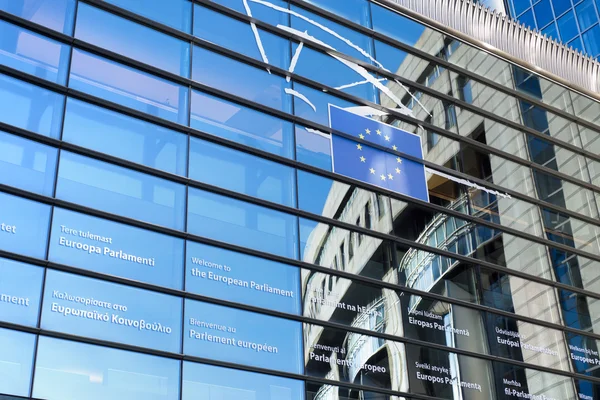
pixel 172 228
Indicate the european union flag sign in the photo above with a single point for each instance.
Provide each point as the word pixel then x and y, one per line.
pixel 356 159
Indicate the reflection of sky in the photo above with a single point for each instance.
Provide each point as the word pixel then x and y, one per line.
pixel 54 14
pixel 16 362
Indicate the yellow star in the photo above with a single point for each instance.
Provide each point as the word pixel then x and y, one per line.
pixel 397 170
pixel 371 170
pixel 368 131
pixel 362 159
pixel 382 177
pixel 399 160
pixel 394 148
pixel 378 132
pixel 390 176
pixel 358 146
pixel 387 138
pixel 361 136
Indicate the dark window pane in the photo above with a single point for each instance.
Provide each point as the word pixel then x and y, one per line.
pixel 241 172
pixel 568 26
pixel 32 53
pixel 233 221
pixel 225 274
pixel 23 226
pixel 120 191
pixel 128 87
pixel 30 107
pixel 139 141
pixel 20 292
pixel 103 310
pixel 54 14
pixel 226 383
pixel 26 164
pixel 586 14
pixel 240 79
pixel 238 36
pixel 73 371
pixel 543 13
pixel 116 249
pixel 174 13
pixel 241 124
pixel 237 334
pixel 16 362
pixel 132 40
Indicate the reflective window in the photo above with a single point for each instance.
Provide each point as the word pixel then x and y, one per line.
pixel 560 6
pixel 26 164
pixel 586 14
pixel 242 278
pixel 259 11
pixel 125 137
pixel 353 10
pixel 211 383
pixel 128 87
pixel 313 104
pixel 233 221
pixel 231 335
pixel 567 26
pixel 241 172
pixel 16 362
pixel 313 147
pixel 23 226
pixel 54 14
pixel 20 292
pixel 238 36
pixel 240 79
pixel 543 13
pixel 396 26
pixel 175 13
pixel 104 310
pixel 120 191
pixel 73 371
pixel 34 54
pixel 241 124
pixel 515 381
pixel 116 249
pixel 591 39
pixel 133 40
pixel 30 107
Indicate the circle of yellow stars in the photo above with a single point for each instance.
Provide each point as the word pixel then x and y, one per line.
pixel 383 177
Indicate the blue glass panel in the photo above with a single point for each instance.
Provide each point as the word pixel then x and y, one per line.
pixel 591 39
pixel 240 79
pixel 259 11
pixel 242 172
pixel 227 275
pixel 577 44
pixel 325 69
pixel 320 100
pixel 73 371
pixel 23 226
pixel 16 362
pixel 20 292
pixel 358 39
pixel 390 56
pixel 105 310
pixel 543 13
pixel 243 337
pixel 174 13
pixel 136 41
pixel 313 192
pixel 120 191
pixel 396 26
pixel 313 147
pixel 30 107
pixel 520 5
pixel 586 14
pixel 26 164
pixel 233 221
pixel 54 14
pixel 238 36
pixel 560 6
pixel 353 10
pixel 116 249
pixel 125 137
pixel 226 383
pixel 528 19
pixel 32 53
pixel 551 31
pixel 241 124
pixel 129 87
pixel 568 26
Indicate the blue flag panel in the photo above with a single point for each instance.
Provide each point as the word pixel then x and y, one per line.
pixel 356 159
